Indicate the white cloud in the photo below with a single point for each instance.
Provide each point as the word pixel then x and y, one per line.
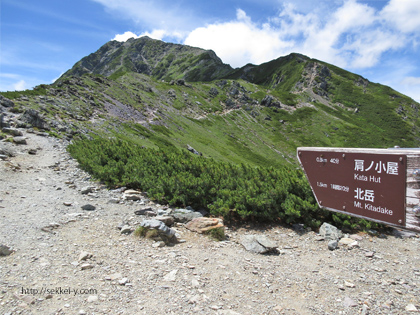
pixel 240 41
pixel 153 14
pixel 411 81
pixel 155 34
pixel 352 35
pixel 124 37
pixel 19 86
pixel 9 75
pixel 410 89
pixel 368 47
pixel 403 14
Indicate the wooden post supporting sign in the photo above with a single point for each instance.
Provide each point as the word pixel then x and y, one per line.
pixel 381 185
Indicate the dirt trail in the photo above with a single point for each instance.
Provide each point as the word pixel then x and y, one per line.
pixel 42 219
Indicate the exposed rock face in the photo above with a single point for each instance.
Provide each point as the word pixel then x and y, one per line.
pixel 13 131
pixel 154 58
pixel 19 140
pixel 2 122
pixel 5 102
pixel 34 118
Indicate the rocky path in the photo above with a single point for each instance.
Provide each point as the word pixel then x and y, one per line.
pixel 67 260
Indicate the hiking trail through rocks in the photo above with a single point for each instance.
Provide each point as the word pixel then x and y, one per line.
pixel 67 260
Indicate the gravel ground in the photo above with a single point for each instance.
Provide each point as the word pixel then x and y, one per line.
pixel 71 261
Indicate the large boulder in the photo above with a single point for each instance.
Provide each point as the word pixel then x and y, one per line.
pixel 185 215
pixel 266 101
pixel 192 150
pixel 19 140
pixel 12 131
pixel 330 232
pixel 34 118
pixel 204 225
pixel 5 102
pixel 258 244
pixel 162 232
pixel 2 122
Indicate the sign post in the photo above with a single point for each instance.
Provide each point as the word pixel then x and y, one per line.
pixel 381 185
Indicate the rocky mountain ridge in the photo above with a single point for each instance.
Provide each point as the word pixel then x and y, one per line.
pixel 155 58
pixel 153 92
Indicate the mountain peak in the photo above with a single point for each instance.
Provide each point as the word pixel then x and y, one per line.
pixel 161 60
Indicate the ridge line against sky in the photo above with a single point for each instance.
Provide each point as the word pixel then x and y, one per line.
pixel 378 39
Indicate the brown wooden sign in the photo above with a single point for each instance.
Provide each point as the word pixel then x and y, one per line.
pixel 366 183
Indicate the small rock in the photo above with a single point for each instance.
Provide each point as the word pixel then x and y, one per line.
pixel 88 207
pixel 92 298
pixel 5 250
pixel 67 204
pixel 353 245
pixel 142 211
pixel 85 256
pixel 345 241
pixel 411 308
pixel 403 234
pixel 388 304
pixel 369 254
pixel 349 284
pixel 126 229
pixel 87 190
pixel 365 309
pixel 330 232
pixel 28 299
pixel 171 276
pixel 348 302
pixel 332 245
pixel 168 220
pixel 356 237
pixel 19 140
pixel 259 244
pixel 86 266
pixel 113 200
pixel 131 194
pixel 230 312
pixel 115 276
pixel 158 244
pixel 123 281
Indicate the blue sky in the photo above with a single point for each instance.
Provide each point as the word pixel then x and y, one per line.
pixel 378 39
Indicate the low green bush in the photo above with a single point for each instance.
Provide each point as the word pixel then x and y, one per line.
pixel 179 178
